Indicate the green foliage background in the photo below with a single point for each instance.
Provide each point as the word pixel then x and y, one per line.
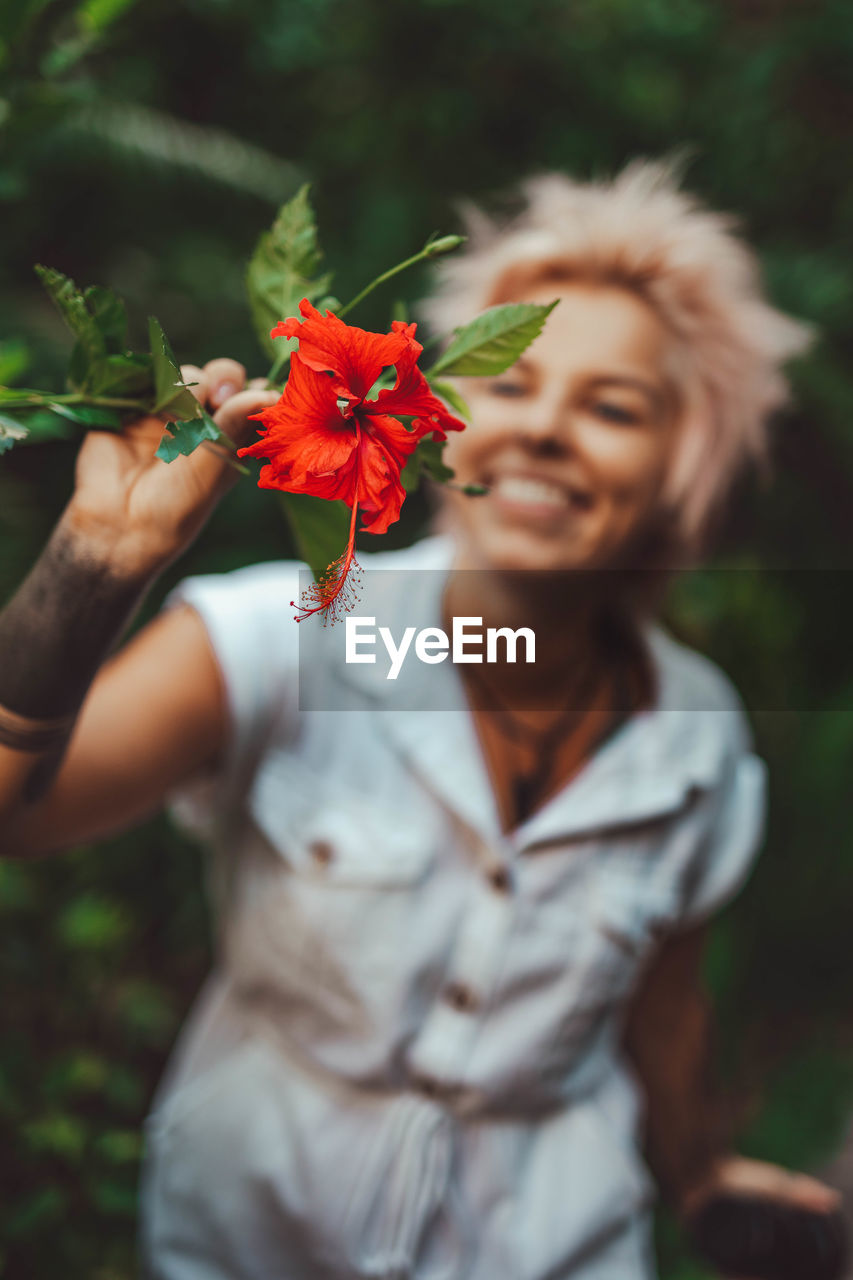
pixel 145 147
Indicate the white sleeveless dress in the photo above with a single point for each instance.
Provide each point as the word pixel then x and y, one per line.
pixel 406 1063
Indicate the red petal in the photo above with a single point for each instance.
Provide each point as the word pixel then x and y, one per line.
pixel 286 329
pixel 381 454
pixel 411 397
pixel 337 587
pixel 304 432
pixel 355 356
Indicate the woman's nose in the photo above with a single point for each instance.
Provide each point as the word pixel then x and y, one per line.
pixel 548 427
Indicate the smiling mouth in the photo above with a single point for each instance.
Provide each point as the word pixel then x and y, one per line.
pixel 541 495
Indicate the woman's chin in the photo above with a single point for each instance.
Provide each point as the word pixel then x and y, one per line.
pixel 519 551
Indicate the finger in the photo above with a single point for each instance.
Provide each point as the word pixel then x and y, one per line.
pixel 811 1194
pixel 258 384
pixel 213 462
pixel 147 430
pixel 191 373
pixel 233 417
pixel 224 379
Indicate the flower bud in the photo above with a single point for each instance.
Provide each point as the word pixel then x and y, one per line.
pixel 444 244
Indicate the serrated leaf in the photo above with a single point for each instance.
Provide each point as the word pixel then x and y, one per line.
pixel 453 398
pixel 182 438
pixel 89 415
pixel 283 270
pixel 11 431
pixel 128 376
pixel 99 363
pixel 493 341
pixel 71 305
pixel 171 394
pixel 108 312
pixel 320 528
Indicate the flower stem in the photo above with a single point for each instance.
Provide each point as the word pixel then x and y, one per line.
pixel 34 399
pixel 435 246
pixel 226 446
pixel 430 250
pixel 274 378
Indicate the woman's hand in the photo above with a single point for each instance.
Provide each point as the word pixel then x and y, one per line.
pixel 135 511
pixel 739 1176
pixel 757 1221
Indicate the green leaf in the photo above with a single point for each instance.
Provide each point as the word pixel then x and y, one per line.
pixel 410 476
pixel 16 393
pixel 453 398
pixel 320 528
pixel 432 460
pixel 11 431
pixel 183 438
pixel 89 415
pixel 426 459
pixel 35 1212
pixel 109 1198
pixel 71 305
pixel 108 312
pixel 171 394
pixel 44 425
pixel 119 1146
pixel 283 270
pixel 14 360
pixel 126 376
pixel 97 15
pixel 99 363
pixel 93 922
pixel 60 1135
pixel 493 341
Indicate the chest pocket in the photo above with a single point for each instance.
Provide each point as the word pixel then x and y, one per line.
pixel 333 890
pixel 624 919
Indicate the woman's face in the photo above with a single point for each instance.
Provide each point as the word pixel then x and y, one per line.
pixel 572 442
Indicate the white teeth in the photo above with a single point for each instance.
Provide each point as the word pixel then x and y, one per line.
pixel 523 489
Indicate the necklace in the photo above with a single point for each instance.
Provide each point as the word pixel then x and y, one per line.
pixel 592 725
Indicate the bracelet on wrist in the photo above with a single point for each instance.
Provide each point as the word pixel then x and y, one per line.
pixel 24 733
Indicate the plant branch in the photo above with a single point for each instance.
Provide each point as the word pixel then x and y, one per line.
pixel 431 249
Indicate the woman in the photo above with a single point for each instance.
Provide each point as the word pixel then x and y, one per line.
pixel 460 934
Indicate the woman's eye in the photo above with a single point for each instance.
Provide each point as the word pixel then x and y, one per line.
pixel 502 388
pixel 615 412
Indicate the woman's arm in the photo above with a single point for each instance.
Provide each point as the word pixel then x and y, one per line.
pixel 690 1126
pixel 667 1037
pixel 154 717
pixel 77 761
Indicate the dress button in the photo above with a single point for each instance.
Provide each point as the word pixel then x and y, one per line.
pixel 427 1086
pixel 322 852
pixel 461 997
pixel 499 879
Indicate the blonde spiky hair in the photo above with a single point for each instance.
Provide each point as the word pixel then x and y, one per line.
pixel 640 231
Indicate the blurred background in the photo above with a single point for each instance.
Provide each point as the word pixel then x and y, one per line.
pixel 145 147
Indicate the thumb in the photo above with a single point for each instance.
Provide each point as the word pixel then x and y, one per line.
pixel 233 416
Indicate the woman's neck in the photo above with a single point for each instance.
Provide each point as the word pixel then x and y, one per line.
pixel 565 611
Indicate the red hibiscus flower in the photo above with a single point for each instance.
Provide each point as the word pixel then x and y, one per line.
pixel 324 437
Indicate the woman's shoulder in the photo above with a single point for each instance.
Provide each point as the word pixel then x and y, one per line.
pixel 435 551
pixel 689 675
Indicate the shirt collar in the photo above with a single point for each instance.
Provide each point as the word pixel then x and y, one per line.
pixel 646 770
